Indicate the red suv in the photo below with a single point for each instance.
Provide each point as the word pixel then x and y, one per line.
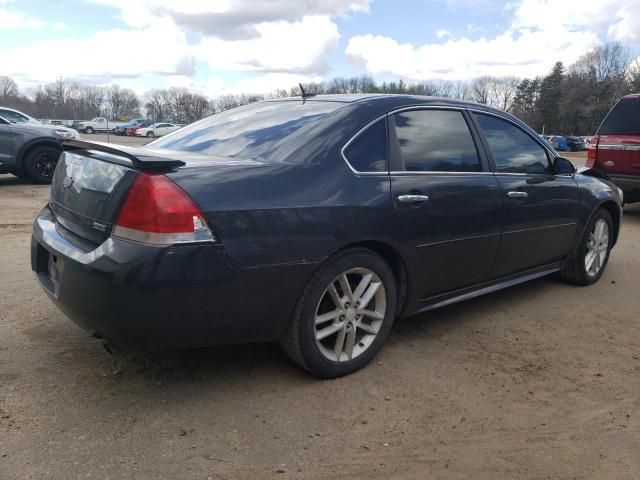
pixel 615 149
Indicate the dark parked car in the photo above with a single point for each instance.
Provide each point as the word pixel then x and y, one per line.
pixel 29 149
pixel 313 221
pixel 575 144
pixel 615 149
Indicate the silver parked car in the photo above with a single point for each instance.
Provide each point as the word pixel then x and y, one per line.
pixel 28 148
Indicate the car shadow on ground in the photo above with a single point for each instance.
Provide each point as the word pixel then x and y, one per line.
pixel 10 180
pixel 267 362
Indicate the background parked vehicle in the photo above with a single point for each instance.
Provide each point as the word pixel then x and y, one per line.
pixel 122 129
pixel 131 130
pixel 99 124
pixel 157 130
pixel 558 142
pixel 333 215
pixel 615 148
pixel 31 150
pixel 575 144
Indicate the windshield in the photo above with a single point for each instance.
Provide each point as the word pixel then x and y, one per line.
pixel 246 132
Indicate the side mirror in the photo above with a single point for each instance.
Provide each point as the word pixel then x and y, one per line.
pixel 562 166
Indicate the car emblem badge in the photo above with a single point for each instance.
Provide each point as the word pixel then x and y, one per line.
pixel 67 182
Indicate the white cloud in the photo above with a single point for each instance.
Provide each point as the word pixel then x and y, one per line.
pixel 443 33
pixel 17 20
pixel 230 19
pixel 160 48
pixel 541 32
pixel 263 84
pixel 280 47
pixel 528 53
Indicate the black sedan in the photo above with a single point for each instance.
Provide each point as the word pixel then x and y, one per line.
pixel 313 221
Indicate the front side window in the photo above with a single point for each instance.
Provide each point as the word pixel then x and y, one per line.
pixel 13 116
pixel 368 151
pixel 435 141
pixel 513 150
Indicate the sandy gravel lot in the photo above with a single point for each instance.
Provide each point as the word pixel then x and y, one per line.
pixel 541 381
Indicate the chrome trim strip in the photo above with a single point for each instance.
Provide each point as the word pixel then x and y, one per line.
pixel 405 173
pixel 476 237
pixel 619 146
pixel 540 228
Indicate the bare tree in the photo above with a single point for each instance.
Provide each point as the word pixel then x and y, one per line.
pixel 92 98
pixel 503 92
pixel 481 89
pixel 121 103
pixel 8 87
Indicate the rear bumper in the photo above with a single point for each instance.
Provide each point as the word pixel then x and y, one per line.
pixel 139 297
pixel 630 185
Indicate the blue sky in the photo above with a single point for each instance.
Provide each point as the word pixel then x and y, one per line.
pixel 232 46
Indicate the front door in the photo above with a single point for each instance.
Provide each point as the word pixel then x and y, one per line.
pixel 540 209
pixel 448 203
pixel 7 142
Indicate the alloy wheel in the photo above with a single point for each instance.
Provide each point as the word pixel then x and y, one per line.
pixel 45 165
pixel 350 314
pixel 597 246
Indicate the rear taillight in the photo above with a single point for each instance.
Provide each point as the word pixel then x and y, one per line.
pixel 592 152
pixel 158 212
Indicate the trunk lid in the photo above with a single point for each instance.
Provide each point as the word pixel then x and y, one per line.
pixel 91 181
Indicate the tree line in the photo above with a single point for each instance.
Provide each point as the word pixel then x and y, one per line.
pixel 568 100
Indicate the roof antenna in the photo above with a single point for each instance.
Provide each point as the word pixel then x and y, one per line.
pixel 304 94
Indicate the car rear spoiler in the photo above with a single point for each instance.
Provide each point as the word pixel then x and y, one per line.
pixel 141 159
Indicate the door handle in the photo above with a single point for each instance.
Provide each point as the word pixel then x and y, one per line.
pixel 517 194
pixel 413 198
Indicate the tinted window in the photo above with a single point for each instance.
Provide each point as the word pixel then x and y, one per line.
pixel 435 140
pixel 368 151
pixel 251 131
pixel 624 118
pixel 513 150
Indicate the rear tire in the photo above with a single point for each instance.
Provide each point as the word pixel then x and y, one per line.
pixel 41 162
pixel 359 319
pixel 587 264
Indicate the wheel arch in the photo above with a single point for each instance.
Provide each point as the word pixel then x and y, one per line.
pixel 28 147
pixel 394 259
pixel 613 209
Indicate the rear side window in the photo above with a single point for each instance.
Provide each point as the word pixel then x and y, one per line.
pixel 513 150
pixel 623 119
pixel 368 151
pixel 435 141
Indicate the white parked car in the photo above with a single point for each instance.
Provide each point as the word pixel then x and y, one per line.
pixel 157 130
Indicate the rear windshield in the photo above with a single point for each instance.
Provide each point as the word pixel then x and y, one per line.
pixel 623 119
pixel 251 131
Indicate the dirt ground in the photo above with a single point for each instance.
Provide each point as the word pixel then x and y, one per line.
pixel 541 381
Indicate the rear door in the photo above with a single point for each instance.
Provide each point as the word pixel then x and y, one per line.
pixel 448 202
pixel 540 209
pixel 619 138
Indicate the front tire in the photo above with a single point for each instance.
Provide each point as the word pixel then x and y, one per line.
pixel 150 135
pixel 344 315
pixel 587 264
pixel 40 163
pixel 89 130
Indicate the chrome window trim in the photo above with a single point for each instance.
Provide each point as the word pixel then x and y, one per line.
pixel 535 138
pixel 393 112
pixel 461 108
